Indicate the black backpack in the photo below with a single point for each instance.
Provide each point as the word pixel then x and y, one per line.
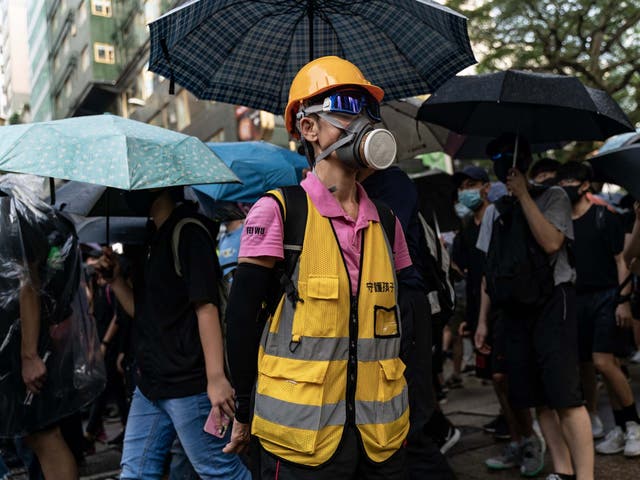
pixel 517 269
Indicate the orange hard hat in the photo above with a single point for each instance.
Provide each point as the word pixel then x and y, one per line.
pixel 321 75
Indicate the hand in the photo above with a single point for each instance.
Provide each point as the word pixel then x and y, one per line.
pixel 636 207
pixel 108 266
pixel 462 329
pixel 34 373
pixel 480 338
pixel 239 443
pixel 103 349
pixel 119 361
pixel 624 319
pixel 517 183
pixel 221 395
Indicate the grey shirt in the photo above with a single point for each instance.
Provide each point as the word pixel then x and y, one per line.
pixel 556 207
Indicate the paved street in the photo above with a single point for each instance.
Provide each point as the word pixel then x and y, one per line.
pixel 474 405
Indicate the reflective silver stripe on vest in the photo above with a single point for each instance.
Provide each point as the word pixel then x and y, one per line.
pixel 329 349
pixel 295 415
pixel 382 412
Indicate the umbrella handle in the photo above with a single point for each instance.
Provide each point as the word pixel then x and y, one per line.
pixel 52 191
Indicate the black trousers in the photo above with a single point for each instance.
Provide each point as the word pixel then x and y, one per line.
pixel 349 463
pixel 424 459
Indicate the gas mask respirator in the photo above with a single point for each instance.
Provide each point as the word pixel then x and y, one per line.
pixel 361 145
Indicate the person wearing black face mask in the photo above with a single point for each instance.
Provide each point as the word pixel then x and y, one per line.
pixel 543 172
pixel 541 367
pixel 602 319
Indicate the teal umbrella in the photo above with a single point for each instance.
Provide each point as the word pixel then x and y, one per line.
pixel 111 151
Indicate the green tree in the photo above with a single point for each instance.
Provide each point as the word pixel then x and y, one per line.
pixel 596 40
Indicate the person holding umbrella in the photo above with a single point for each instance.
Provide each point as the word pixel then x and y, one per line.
pixel 179 343
pixel 331 398
pixel 528 275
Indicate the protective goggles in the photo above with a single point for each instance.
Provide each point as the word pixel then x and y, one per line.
pixel 349 104
pixel 500 155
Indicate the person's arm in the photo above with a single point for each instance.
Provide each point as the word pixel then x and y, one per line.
pixel 248 291
pixel 219 389
pixel 483 320
pixel 109 268
pixel 545 233
pixel 624 318
pixel 632 247
pixel 111 332
pixel 34 370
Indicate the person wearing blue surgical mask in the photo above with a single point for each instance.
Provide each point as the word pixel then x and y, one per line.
pixel 473 189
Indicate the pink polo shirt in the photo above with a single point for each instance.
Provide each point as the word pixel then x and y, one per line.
pixel 263 229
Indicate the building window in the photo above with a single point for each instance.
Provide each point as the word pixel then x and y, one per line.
pixel 65 45
pixel 104 53
pixel 152 10
pixel 101 8
pixel 84 58
pixel 56 62
pixel 67 87
pixel 82 12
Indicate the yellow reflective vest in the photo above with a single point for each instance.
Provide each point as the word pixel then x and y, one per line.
pixel 333 358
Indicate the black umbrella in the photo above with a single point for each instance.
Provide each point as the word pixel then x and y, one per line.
pixel 470 147
pixel 90 200
pixel 620 166
pixel 129 230
pixel 540 106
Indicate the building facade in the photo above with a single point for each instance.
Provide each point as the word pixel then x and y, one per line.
pixel 15 87
pixel 91 56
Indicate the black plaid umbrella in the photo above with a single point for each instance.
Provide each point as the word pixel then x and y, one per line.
pixel 247 52
pixel 542 107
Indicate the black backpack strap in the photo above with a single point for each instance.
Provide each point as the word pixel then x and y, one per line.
pixel 388 221
pixel 294 217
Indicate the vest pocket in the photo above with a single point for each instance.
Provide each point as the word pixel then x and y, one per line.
pixel 320 307
pixel 385 322
pixel 393 398
pixel 289 403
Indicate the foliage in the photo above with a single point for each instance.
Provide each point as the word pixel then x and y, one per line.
pixel 15 118
pixel 596 40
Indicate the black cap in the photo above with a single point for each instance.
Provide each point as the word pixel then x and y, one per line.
pixel 471 172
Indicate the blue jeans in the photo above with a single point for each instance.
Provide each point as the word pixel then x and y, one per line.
pixel 152 428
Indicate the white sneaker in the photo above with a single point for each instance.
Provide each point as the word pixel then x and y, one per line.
pixel 632 440
pixel 538 431
pixel 597 428
pixel 635 358
pixel 612 443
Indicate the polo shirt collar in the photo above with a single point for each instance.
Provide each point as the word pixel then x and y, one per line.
pixel 329 207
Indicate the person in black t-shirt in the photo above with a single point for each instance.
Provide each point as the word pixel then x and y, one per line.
pixel 179 349
pixel 602 319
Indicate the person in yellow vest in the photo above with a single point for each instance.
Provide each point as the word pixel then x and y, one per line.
pixel 330 395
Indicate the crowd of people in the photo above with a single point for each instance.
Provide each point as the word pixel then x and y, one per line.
pixel 310 342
